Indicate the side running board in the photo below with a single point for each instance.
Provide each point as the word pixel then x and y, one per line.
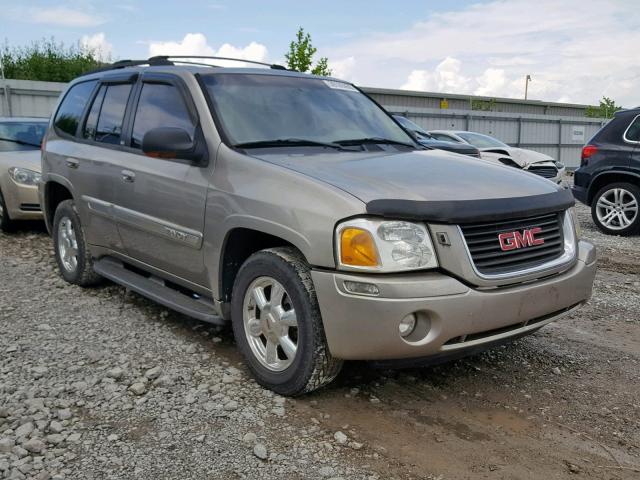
pixel 156 289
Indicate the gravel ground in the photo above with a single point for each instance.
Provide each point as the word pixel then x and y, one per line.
pixel 101 383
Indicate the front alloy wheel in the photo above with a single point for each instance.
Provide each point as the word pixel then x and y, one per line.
pixel 615 209
pixel 67 245
pixel 270 324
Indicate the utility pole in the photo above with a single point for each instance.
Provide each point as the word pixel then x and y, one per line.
pixel 526 85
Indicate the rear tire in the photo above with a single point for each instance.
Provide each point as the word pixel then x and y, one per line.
pixel 616 209
pixel 6 224
pixel 274 303
pixel 71 250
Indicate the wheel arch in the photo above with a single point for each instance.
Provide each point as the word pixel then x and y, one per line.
pixel 55 191
pixel 606 178
pixel 239 244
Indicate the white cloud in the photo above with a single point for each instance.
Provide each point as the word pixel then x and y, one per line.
pixel 197 44
pixel 62 16
pixel 343 68
pixel 570 52
pixel 98 44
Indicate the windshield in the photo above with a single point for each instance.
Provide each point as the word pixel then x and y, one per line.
pixel 255 108
pixel 409 125
pixel 481 141
pixel 16 136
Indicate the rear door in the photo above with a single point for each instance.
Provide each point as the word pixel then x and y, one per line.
pixel 161 202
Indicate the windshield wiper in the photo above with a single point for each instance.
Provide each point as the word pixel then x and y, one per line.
pixel 362 141
pixel 19 142
pixel 293 142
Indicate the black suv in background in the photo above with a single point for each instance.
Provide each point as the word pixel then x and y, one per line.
pixel 608 179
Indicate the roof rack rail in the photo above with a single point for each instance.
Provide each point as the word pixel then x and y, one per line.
pixel 163 60
pixel 158 58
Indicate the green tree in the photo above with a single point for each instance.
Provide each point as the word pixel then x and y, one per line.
pixel 606 109
pixel 300 56
pixel 47 60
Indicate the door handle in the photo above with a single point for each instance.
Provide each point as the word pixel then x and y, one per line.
pixel 72 163
pixel 128 176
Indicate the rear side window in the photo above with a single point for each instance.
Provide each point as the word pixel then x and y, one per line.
pixel 70 110
pixel 91 124
pixel 111 116
pixel 633 132
pixel 160 105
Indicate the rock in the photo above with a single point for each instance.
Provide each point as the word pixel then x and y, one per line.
pixel 19 452
pixel 326 471
pixel 138 388
pixel 113 438
pixel 355 445
pixel 38 372
pixel 24 429
pixel 191 349
pixel 573 468
pixel 34 445
pixel 64 414
pixel 12 348
pixel 153 373
pixel 230 406
pixel 43 476
pixel 116 373
pixel 6 444
pixel 260 451
pixel 55 427
pixel 249 438
pixel 55 438
pixel 340 437
pixel 74 438
pixel 556 371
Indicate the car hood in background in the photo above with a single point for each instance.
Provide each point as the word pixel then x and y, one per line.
pixel 24 158
pixel 521 156
pixel 455 147
pixel 432 175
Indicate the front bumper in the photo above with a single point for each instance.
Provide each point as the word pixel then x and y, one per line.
pixel 451 316
pixel 22 201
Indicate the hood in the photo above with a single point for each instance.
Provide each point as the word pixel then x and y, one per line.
pixel 521 156
pixel 25 158
pixel 462 148
pixel 431 175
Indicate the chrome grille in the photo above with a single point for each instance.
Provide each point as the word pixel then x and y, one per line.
pixel 489 258
pixel 546 172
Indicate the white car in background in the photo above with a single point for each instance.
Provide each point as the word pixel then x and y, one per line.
pixel 496 151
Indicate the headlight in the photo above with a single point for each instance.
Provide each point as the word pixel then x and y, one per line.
pixel 384 246
pixel 24 176
pixel 576 222
pixel 559 165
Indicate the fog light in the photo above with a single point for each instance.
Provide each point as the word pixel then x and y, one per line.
pixel 361 288
pixel 407 325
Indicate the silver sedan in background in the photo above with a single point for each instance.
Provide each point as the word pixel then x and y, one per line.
pixel 20 139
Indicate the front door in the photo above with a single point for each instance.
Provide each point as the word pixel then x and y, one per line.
pixel 160 205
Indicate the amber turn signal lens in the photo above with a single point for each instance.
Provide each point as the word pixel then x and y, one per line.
pixel 357 248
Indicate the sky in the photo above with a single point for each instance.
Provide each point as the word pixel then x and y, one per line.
pixel 576 51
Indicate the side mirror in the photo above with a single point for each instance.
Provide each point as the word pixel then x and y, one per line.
pixel 170 142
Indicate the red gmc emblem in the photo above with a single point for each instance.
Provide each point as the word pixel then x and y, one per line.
pixel 514 240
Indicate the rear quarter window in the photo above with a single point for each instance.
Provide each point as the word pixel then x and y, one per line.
pixel 633 131
pixel 70 111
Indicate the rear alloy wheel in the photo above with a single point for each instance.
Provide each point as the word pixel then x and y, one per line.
pixel 615 209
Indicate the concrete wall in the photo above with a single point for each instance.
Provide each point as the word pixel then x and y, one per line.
pixel 549 128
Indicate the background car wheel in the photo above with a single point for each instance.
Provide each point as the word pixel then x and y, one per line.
pixel 615 209
pixel 71 250
pixel 277 323
pixel 6 224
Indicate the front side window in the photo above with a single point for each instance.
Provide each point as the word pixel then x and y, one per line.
pixel 255 108
pixel 160 105
pixel 16 136
pixel 633 132
pixel 111 117
pixel 70 110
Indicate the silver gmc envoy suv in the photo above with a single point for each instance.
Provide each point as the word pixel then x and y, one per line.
pixel 298 209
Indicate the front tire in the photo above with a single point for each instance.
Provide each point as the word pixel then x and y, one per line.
pixel 71 249
pixel 6 224
pixel 277 323
pixel 615 209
